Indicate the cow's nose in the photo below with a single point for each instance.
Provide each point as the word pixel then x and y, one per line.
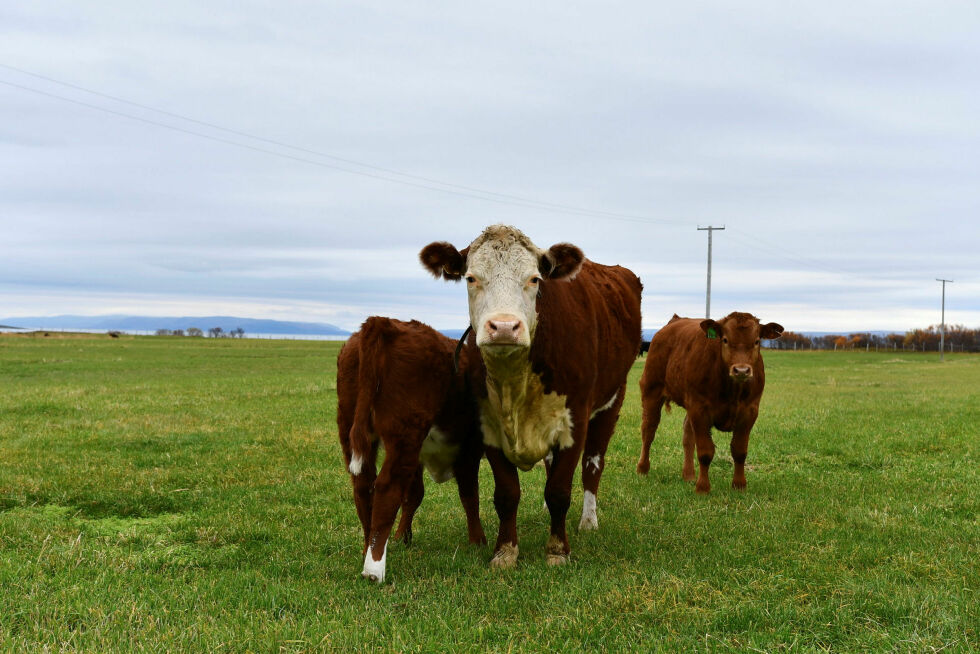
pixel 504 329
pixel 742 372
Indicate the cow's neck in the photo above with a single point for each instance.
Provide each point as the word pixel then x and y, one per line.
pixel 518 416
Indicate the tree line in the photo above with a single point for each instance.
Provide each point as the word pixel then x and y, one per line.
pixel 214 332
pixel 958 339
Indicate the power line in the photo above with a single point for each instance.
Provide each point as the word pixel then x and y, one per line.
pixel 424 182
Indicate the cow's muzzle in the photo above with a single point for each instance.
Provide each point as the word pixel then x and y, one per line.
pixel 504 329
pixel 740 373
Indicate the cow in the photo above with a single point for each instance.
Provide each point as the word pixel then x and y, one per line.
pixel 397 384
pixel 555 336
pixel 713 370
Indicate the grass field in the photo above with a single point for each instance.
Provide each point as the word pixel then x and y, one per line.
pixel 188 494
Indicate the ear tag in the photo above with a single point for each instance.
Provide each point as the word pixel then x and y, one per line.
pixel 712 333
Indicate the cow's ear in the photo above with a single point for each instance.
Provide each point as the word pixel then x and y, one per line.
pixel 561 261
pixel 444 260
pixel 710 328
pixel 771 330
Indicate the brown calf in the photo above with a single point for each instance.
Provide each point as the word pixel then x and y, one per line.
pixel 397 385
pixel 714 371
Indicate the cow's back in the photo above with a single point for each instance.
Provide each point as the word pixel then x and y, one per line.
pixel 414 369
pixel 680 360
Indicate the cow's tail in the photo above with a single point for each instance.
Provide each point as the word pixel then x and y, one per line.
pixel 369 374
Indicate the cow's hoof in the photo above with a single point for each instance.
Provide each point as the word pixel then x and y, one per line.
pixel 372 576
pixel 702 490
pixel 374 570
pixel 643 467
pixel 555 553
pixel 505 557
pixel 738 485
pixel 688 476
pixel 589 523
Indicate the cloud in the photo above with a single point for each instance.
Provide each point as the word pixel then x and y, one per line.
pixel 837 143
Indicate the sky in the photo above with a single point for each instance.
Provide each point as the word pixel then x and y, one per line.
pixel 289 160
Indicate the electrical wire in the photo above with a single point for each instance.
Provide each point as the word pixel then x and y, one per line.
pixel 420 181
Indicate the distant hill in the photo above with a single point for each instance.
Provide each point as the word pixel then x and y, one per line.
pixel 153 323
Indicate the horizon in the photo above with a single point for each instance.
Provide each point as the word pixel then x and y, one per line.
pixel 444 329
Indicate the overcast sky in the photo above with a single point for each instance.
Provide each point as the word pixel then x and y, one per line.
pixel 289 160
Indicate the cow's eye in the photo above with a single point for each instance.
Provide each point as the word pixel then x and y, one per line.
pixel 534 281
pixel 724 339
pixel 470 279
pixel 757 341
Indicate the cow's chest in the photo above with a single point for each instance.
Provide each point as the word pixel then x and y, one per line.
pixel 518 417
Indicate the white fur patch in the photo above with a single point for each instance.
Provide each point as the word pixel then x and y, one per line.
pixel 356 464
pixel 604 407
pixel 590 521
pixel 518 416
pixel 438 456
pixel 375 570
pixel 593 461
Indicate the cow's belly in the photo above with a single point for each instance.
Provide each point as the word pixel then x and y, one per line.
pixel 525 422
pixel 438 455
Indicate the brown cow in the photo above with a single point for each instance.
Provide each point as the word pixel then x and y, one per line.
pixel 557 335
pixel 397 384
pixel 714 371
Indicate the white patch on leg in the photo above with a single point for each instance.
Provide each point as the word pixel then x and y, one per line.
pixel 589 520
pixel 375 570
pixel 356 463
pixel 604 407
pixel 593 461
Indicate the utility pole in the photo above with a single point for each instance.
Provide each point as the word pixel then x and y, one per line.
pixel 707 301
pixel 942 325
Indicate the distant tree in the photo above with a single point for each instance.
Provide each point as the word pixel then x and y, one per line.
pixel 194 331
pixel 178 332
pixel 216 332
pixel 894 340
pixel 163 332
pixel 790 341
pixel 238 332
pixel 840 342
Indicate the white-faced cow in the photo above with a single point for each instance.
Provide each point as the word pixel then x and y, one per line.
pixel 397 383
pixel 557 335
pixel 713 369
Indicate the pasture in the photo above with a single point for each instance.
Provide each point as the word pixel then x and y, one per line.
pixel 165 494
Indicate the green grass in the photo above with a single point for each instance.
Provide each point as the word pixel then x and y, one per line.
pixel 187 494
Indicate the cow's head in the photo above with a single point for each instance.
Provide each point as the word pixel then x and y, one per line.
pixel 503 271
pixel 740 335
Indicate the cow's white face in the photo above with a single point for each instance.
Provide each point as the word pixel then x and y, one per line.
pixel 504 272
pixel 502 281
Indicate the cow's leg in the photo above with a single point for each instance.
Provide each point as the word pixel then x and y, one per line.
pixel 601 429
pixel 506 497
pixel 363 483
pixel 687 474
pixel 701 427
pixel 467 472
pixel 558 490
pixel 397 472
pixel 653 402
pixel 410 504
pixel 740 448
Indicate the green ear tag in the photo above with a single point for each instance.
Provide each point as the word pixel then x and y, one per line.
pixel 712 333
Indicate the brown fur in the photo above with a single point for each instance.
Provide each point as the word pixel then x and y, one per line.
pixel 395 382
pixel 718 381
